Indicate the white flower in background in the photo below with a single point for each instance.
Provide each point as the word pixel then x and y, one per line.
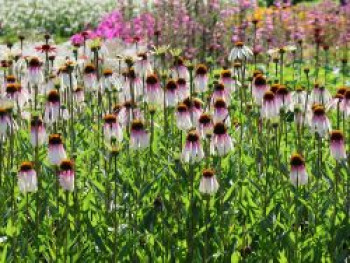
pixel 24 15
pixel 274 52
pixel 240 52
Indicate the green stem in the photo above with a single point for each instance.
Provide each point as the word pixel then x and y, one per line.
pixel 67 227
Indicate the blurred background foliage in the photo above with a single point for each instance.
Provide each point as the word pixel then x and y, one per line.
pixel 62 18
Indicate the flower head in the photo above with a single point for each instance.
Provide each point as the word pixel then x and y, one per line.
pixel 221 142
pixel 27 178
pixel 319 121
pixel 66 175
pixel 208 184
pixel 269 107
pixel 153 92
pixel 337 145
pixel 193 151
pixel 240 52
pixel 298 174
pixel 259 88
pixel 56 150
pixel 205 125
pixel 183 117
pixel 111 128
pixel 139 138
pixel 171 93
pixel 37 131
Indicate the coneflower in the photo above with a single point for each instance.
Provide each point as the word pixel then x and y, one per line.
pixel 256 73
pixel 240 52
pixel 269 108
pixel 182 89
pixel 342 90
pixel 90 77
pixel 5 63
pixel 299 97
pixel 112 129
pixel 12 91
pixel 179 69
pixel 171 93
pixel 193 151
pixel 37 131
pixel 335 102
pixel 337 145
pixel 283 98
pixel 227 79
pixel 143 65
pixel 35 75
pixel 274 87
pixel 320 95
pixel 154 94
pixel 125 114
pixel 10 79
pixel 221 113
pixel 319 121
pixel 120 111
pixel 27 178
pixel 139 137
pixel 298 174
pixel 117 108
pixel 56 151
pixel 16 93
pixel 201 78
pixel 183 117
pixel 52 107
pixel 79 95
pixel 46 48
pixel 259 88
pixel 221 92
pixel 345 103
pixel 66 175
pixel 5 121
pixel 107 81
pixel 208 184
pixel 205 125
pixel 195 108
pixel 63 73
pixel 221 141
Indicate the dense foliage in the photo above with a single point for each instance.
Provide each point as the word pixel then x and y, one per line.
pixel 62 18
